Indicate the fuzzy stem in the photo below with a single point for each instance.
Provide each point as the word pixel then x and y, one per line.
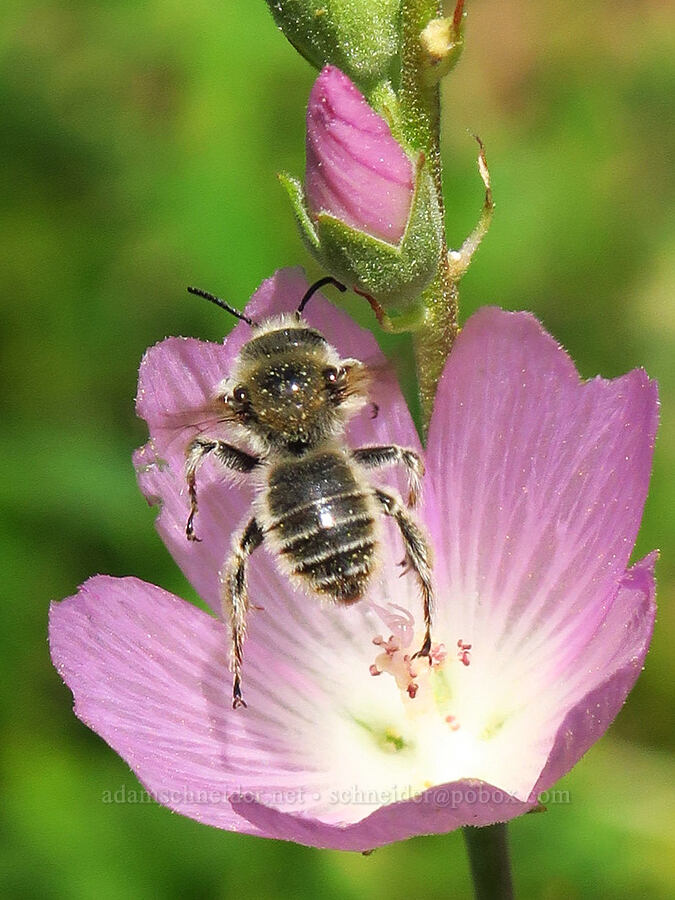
pixel 420 101
pixel 420 109
pixel 434 337
pixel 489 857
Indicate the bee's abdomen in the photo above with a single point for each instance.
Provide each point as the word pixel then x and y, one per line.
pixel 336 560
pixel 324 524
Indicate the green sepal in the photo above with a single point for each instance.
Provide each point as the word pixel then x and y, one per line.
pixel 296 194
pixel 393 276
pixel 358 36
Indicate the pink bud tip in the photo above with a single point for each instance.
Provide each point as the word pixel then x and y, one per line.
pixel 356 171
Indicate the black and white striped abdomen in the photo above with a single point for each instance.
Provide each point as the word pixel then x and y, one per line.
pixel 320 514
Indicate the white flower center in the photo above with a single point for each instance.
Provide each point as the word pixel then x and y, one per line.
pixel 409 723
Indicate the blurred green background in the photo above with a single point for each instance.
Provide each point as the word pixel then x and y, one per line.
pixel 140 142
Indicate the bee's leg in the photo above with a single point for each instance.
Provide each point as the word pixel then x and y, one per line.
pixel 418 555
pixel 235 598
pixel 195 453
pixel 374 457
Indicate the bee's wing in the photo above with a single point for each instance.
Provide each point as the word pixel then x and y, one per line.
pixel 181 395
pixel 174 429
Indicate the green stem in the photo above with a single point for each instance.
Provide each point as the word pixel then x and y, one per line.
pixel 489 857
pixel 420 110
pixel 434 337
pixel 420 101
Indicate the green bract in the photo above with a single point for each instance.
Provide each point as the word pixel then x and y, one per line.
pixel 394 276
pixel 361 37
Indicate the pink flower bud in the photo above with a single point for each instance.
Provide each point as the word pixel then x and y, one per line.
pixel 356 171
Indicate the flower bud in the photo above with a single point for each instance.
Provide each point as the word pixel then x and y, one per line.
pixel 355 170
pixel 368 210
pixel 359 36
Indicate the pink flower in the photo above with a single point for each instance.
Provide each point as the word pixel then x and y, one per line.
pixel 356 171
pixel 533 495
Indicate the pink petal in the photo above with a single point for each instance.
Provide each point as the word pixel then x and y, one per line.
pixel 149 674
pixel 176 380
pixel 596 685
pixel 535 496
pixel 356 171
pixel 539 483
pixel 536 724
pixel 437 811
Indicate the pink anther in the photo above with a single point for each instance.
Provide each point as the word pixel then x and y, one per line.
pixel 392 646
pixel 389 646
pixel 463 654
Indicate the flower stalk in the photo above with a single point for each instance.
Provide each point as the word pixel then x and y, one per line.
pixel 489 859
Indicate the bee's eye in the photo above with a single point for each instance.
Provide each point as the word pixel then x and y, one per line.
pixel 240 394
pixel 331 374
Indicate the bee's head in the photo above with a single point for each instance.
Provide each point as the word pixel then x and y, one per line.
pixel 290 389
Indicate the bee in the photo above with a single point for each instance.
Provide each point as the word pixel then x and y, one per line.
pixel 291 395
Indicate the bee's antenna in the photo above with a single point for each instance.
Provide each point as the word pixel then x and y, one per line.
pixel 316 287
pixel 222 304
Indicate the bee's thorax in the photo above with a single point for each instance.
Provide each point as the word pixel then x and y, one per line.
pixel 294 385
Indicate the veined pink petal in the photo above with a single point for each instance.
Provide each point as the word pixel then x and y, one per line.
pixel 594 686
pixel 177 379
pixel 149 674
pixel 440 809
pixel 146 672
pixel 355 171
pixel 537 483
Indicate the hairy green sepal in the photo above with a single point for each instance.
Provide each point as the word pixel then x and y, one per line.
pixel 360 37
pixel 393 276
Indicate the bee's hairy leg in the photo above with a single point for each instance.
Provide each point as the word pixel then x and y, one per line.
pixel 375 457
pixel 195 453
pixel 418 556
pixel 235 599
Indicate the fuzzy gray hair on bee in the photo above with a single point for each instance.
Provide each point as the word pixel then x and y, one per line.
pixel 290 396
